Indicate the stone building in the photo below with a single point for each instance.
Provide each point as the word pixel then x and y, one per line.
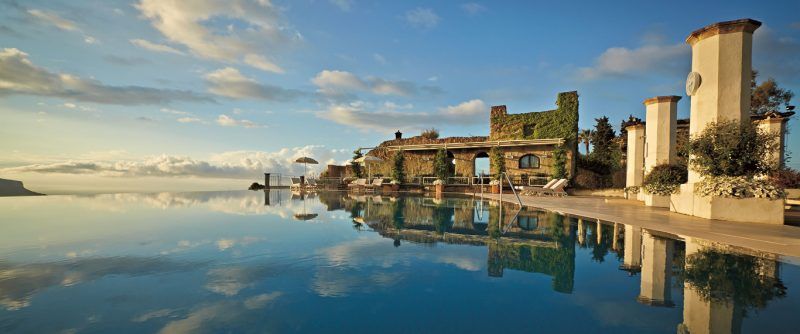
pixel 527 141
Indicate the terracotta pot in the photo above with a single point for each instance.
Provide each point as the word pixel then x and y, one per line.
pixel 495 189
pixel 395 187
pixel 439 188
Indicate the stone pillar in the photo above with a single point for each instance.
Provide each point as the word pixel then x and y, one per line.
pixel 599 232
pixel 266 180
pixel 615 238
pixel 775 126
pixel 581 232
pixel 656 271
pixel 660 144
pixel 635 157
pixel 719 86
pixel 722 60
pixel 632 258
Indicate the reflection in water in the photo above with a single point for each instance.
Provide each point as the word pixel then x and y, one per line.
pixel 217 261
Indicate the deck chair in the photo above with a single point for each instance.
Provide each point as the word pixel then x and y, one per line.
pixel 556 189
pixel 296 183
pixel 311 183
pixel 375 185
pixel 357 184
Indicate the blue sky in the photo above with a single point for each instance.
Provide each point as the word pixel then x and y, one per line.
pixel 112 91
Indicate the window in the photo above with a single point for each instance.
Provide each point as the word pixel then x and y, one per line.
pixel 529 161
pixel 528 223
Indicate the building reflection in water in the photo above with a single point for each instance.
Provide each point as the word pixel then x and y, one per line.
pixel 719 284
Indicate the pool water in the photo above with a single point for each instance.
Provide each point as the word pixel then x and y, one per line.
pixel 278 261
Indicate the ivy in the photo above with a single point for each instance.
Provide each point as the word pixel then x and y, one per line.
pixel 398 170
pixel 440 168
pixel 497 161
pixel 560 166
pixel 559 123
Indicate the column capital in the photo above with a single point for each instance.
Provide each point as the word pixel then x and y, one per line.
pixel 726 27
pixel 661 99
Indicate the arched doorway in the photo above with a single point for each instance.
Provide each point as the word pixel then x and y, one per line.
pixel 451 164
pixel 480 167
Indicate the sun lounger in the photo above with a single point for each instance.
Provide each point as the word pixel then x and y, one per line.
pixel 311 183
pixel 375 185
pixel 357 184
pixel 296 182
pixel 556 189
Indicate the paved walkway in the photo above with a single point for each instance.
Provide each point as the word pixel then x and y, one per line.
pixel 781 240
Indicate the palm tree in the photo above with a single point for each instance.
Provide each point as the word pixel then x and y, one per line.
pixel 585 137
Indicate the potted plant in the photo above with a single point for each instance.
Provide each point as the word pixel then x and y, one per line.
pixel 439 186
pixel 495 184
pixel 663 181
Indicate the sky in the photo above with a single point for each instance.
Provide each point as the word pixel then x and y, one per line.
pixel 100 96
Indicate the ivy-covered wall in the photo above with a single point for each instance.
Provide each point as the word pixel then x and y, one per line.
pixel 559 123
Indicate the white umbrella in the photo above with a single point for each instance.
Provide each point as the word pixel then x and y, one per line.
pixel 366 160
pixel 305 161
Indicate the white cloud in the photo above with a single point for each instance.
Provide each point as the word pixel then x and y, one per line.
pixel 53 19
pixel 226 120
pixel 174 112
pixel 337 83
pixel 189 120
pixel 257 28
pixel 18 75
pixel 229 82
pixel 620 61
pixel 144 44
pixel 231 165
pixel 90 40
pixel 423 18
pixel 390 117
pixel 472 8
pixel 379 58
pixel 345 5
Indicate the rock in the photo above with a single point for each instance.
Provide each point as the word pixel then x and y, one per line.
pixel 15 188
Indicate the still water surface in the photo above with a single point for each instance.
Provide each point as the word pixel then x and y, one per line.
pixel 332 262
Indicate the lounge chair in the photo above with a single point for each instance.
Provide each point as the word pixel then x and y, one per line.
pixel 375 185
pixel 357 184
pixel 296 183
pixel 556 189
pixel 311 183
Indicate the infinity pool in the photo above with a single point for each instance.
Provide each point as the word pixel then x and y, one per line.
pixel 333 262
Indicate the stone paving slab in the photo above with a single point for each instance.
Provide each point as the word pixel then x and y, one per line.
pixel 778 239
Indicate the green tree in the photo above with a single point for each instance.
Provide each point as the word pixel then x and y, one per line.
pixel 768 96
pixel 398 168
pixel 356 166
pixel 603 141
pixel 440 168
pixel 585 137
pixel 497 162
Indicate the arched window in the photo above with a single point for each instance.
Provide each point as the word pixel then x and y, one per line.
pixel 529 161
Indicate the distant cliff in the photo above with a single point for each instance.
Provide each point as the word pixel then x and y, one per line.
pixel 15 188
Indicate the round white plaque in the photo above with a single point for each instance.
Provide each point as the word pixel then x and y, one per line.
pixel 692 83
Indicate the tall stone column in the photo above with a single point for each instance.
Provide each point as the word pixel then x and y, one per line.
pixel 581 232
pixel 655 285
pixel 635 156
pixel 776 126
pixel 719 84
pixel 660 143
pixel 632 258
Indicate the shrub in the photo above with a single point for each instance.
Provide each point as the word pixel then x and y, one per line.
pixel 587 179
pixel 398 170
pixel 665 179
pixel 560 163
pixel 732 149
pixel 497 161
pixel 786 178
pixel 738 187
pixel 355 165
pixel 440 168
pixel 256 186
pixel 633 190
pixel 431 133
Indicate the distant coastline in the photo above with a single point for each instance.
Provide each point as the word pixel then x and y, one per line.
pixel 15 188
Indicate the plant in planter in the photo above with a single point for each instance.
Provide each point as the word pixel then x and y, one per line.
pixel 495 184
pixel 440 168
pixel 731 158
pixel 665 179
pixel 438 184
pixel 632 191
